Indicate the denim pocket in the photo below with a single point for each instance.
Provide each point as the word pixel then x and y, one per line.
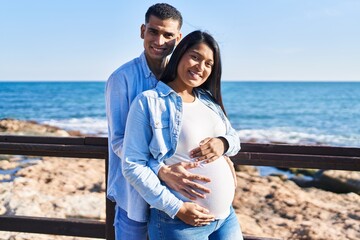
pixel 160 142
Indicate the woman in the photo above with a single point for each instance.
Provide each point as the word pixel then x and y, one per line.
pixel 165 124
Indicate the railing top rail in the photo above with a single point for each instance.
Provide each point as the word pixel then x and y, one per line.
pixel 277 155
pixel 301 149
pixel 245 147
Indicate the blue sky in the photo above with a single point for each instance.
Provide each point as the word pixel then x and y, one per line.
pixel 259 39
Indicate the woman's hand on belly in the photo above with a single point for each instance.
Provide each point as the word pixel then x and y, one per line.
pixel 210 149
pixel 195 215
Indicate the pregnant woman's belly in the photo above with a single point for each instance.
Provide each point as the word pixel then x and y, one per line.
pixel 219 200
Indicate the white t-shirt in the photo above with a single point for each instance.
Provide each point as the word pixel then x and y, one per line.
pixel 199 122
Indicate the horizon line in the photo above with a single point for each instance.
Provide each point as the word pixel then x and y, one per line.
pixel 224 80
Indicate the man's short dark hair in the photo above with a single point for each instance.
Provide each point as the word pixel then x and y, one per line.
pixel 164 11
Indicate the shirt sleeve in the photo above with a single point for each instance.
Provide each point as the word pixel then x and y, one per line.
pixel 155 166
pixel 233 139
pixel 231 136
pixel 117 108
pixel 136 157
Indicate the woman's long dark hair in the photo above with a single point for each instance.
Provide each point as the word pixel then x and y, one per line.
pixel 212 84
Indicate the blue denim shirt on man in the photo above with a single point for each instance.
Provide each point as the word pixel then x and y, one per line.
pixel 122 87
pixel 151 136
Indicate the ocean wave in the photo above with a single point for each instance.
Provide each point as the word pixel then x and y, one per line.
pixel 86 125
pixel 291 136
pixel 98 127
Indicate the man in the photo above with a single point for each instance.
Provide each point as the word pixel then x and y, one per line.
pixel 161 33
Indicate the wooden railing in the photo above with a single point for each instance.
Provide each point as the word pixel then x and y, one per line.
pixel 276 155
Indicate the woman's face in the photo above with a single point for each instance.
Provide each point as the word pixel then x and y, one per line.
pixel 195 66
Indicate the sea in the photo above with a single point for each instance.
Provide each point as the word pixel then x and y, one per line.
pixel 302 112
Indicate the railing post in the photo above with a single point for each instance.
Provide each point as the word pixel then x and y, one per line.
pixel 110 206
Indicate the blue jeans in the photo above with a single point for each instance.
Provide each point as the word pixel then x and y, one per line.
pixel 162 227
pixel 127 229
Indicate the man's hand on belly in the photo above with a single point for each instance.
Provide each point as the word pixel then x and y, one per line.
pixel 178 178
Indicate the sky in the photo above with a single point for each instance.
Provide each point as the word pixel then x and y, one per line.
pixel 260 40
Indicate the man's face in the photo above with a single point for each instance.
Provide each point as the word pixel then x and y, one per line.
pixel 160 37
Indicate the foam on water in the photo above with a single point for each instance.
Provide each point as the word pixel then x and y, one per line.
pixel 98 127
pixel 291 136
pixel 86 125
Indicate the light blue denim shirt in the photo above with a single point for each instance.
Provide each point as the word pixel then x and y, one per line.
pixel 151 136
pixel 122 87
